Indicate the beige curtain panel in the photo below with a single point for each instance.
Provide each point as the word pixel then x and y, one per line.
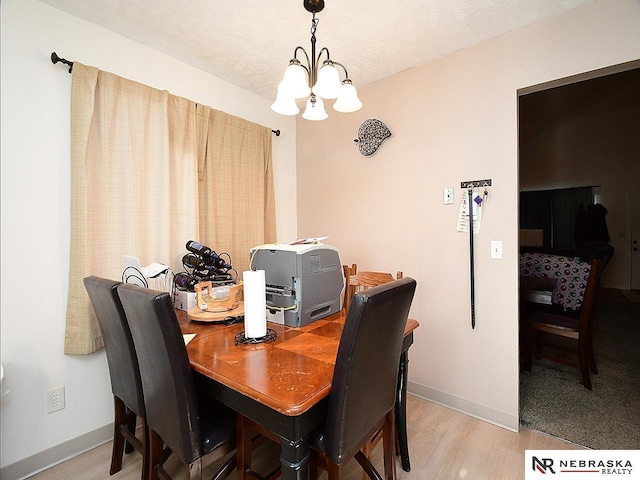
pixel 235 185
pixel 136 170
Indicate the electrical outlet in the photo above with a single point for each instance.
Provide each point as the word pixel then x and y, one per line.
pixel 55 399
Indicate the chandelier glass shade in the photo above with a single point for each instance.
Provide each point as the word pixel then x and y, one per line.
pixel 314 80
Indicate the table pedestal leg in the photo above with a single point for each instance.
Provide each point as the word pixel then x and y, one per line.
pixel 294 459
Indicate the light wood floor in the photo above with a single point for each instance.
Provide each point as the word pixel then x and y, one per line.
pixel 444 444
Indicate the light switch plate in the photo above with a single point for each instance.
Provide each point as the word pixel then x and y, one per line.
pixel 496 249
pixel 448 195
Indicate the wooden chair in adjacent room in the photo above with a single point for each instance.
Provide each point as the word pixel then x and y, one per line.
pixel 126 384
pixel 363 389
pixel 172 399
pixel 579 328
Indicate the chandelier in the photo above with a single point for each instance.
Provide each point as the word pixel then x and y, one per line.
pixel 315 81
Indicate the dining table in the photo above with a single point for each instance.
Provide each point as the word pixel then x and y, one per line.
pixel 284 384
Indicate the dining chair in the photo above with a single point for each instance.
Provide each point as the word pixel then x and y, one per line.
pixel 363 390
pixel 357 282
pixel 178 414
pixel 247 431
pixel 126 384
pixel 579 328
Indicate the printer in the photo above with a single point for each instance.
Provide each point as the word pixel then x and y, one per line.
pixel 304 282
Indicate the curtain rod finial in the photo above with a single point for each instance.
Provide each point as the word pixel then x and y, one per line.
pixel 55 59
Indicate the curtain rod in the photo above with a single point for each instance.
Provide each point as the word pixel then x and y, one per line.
pixel 55 59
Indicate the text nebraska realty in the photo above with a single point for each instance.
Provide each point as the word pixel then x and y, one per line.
pixel 606 467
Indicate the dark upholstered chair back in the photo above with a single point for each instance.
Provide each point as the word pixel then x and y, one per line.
pixel 363 390
pixel 167 379
pixel 118 343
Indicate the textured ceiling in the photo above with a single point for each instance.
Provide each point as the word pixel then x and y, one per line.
pixel 249 42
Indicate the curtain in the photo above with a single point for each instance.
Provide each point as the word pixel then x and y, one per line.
pixel 566 203
pixel 235 185
pixel 535 212
pixel 134 186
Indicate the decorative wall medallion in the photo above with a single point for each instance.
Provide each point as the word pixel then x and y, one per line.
pixel 371 134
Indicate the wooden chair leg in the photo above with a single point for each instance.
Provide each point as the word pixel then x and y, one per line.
pixel 146 450
pixel 313 469
pixel 591 358
pixel 370 471
pixel 366 451
pixel 592 363
pixel 249 436
pixel 584 363
pixel 195 469
pixel 388 442
pixel 118 439
pixel 156 455
pixel 125 440
pixel 243 460
pixel 132 419
pixel 334 472
pixel 224 471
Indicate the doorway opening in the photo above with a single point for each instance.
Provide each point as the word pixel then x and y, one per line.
pixel 581 131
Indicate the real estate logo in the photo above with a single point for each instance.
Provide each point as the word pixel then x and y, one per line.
pixel 581 464
pixel 543 465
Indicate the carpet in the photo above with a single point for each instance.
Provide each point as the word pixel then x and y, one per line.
pixel 554 401
pixel 631 295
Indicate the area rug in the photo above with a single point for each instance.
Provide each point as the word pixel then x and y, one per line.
pixel 554 401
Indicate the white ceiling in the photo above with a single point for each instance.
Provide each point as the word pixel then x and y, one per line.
pixel 249 42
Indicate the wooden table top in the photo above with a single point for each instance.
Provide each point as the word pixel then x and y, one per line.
pixel 290 374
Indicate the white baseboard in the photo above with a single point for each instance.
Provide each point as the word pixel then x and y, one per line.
pixel 57 454
pixel 482 412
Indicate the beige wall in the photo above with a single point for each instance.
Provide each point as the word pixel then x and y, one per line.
pixel 453 120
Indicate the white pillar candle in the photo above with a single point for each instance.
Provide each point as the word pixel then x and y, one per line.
pixel 255 304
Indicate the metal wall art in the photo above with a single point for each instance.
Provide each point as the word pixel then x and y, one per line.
pixel 371 134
